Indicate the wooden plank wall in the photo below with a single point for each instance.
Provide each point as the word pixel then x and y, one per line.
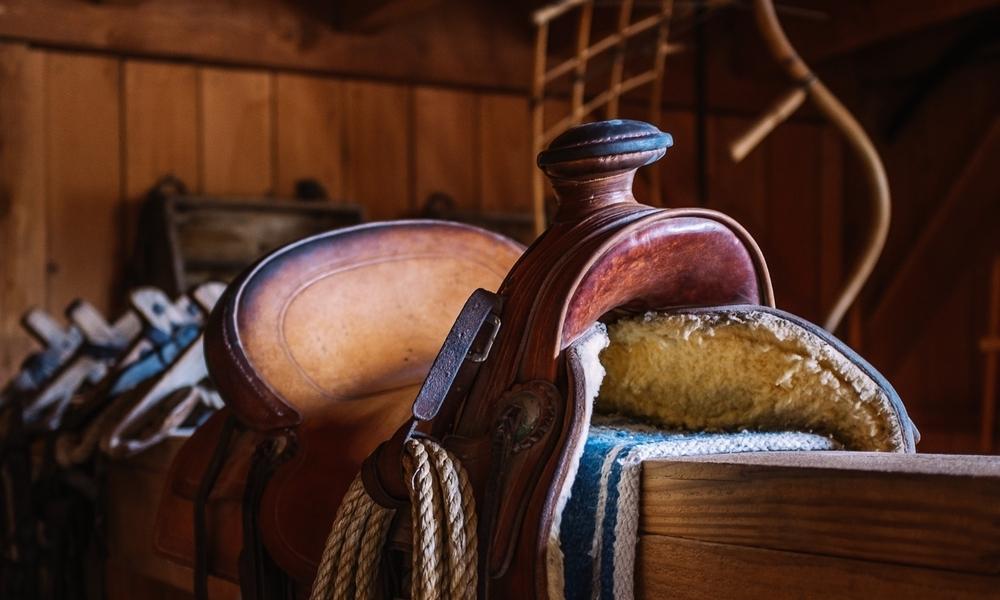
pixel 85 135
pixel 926 306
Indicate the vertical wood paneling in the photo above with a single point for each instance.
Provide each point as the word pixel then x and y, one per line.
pixel 445 132
pixel 642 186
pixel 939 368
pixel 831 189
pixel 161 131
pixel 377 147
pixel 678 169
pixel 505 161
pixel 794 206
pixel 737 189
pixel 236 132
pixel 554 110
pixel 310 127
pixel 84 179
pixel 22 197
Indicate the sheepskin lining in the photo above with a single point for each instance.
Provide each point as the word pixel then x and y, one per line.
pixel 745 370
pixel 584 353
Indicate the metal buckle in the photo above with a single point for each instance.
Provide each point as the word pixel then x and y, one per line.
pixel 477 357
pixel 457 351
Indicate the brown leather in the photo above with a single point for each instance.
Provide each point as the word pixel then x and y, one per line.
pixel 175 532
pixel 320 344
pixel 326 340
pixel 604 253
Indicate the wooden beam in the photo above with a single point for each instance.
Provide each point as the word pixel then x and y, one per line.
pixel 927 511
pixel 468 44
pixel 856 24
pixel 374 15
pixel 688 569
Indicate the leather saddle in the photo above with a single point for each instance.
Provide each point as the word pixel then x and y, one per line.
pixel 510 394
pixel 324 341
pixel 509 399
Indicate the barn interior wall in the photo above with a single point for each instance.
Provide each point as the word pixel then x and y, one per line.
pixel 84 134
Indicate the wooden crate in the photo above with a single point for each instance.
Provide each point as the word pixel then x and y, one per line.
pixel 214 239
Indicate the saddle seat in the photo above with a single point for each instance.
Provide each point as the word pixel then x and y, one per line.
pixel 321 348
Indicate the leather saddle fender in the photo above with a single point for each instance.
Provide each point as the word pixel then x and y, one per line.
pixel 518 418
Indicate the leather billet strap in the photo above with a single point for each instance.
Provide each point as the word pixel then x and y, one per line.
pixel 260 577
pixel 467 346
pixel 201 503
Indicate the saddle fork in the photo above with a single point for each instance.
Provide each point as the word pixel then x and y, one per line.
pixel 437 403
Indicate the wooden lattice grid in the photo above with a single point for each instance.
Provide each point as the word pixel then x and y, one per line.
pixel 610 98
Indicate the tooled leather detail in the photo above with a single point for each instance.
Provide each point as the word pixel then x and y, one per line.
pixel 528 411
pixel 527 415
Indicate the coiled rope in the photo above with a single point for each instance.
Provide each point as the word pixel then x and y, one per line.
pixel 444 557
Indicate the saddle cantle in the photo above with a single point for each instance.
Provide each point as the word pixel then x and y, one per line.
pixel 317 350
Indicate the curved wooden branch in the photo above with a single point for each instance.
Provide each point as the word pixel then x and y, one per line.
pixel 788 58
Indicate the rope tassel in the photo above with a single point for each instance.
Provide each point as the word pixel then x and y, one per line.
pixel 444 533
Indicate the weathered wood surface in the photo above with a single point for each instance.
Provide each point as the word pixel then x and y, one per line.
pixel 832 524
pixel 449 43
pixel 685 569
pixel 161 131
pixel 445 125
pixel 378 148
pixel 309 124
pixel 214 239
pixel 83 182
pixel 158 109
pixel 763 525
pixel 967 213
pixel 237 157
pixel 22 189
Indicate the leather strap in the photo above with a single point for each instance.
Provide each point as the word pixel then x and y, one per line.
pixel 201 542
pixel 454 369
pixel 456 352
pixel 260 577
